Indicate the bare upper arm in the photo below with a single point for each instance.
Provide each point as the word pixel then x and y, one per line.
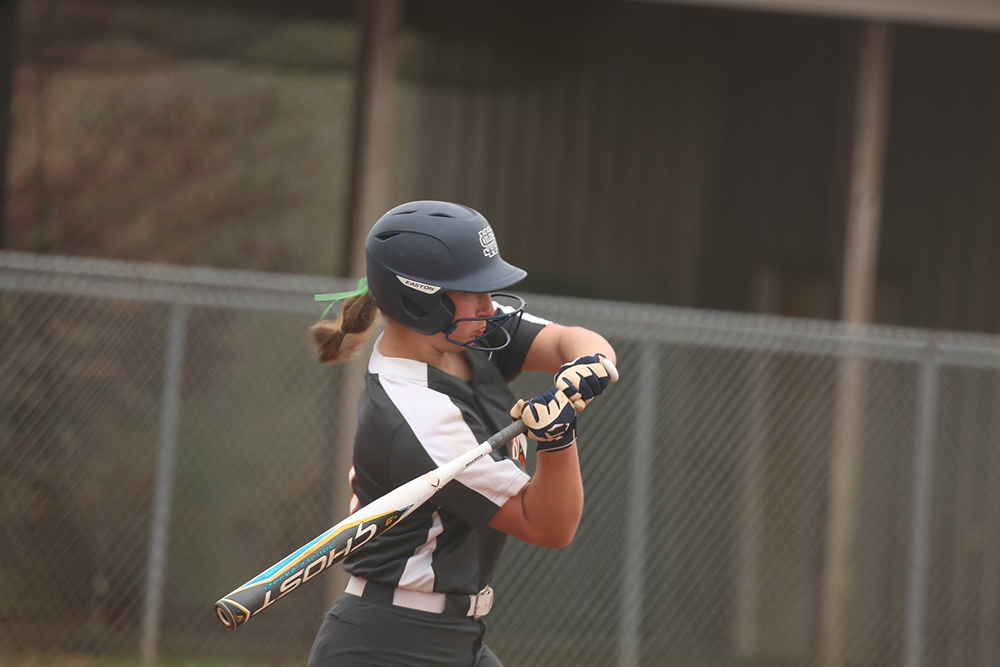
pixel 545 353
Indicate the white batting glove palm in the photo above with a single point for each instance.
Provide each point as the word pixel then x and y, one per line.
pixel 550 418
pixel 582 379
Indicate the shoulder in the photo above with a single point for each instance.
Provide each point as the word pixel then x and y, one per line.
pixel 522 331
pixel 434 414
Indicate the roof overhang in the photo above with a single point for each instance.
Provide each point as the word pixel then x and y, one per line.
pixel 973 14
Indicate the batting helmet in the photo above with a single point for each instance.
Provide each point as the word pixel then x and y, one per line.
pixel 418 251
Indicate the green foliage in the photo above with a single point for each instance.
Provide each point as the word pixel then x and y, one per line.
pixel 182 135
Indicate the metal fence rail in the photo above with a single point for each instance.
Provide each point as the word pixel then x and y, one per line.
pixel 165 434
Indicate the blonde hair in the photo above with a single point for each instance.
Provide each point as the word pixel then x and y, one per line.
pixel 340 339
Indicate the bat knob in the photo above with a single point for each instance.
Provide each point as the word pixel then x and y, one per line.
pixel 228 617
pixel 610 368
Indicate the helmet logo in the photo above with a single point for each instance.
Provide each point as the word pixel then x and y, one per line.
pixel 420 287
pixel 488 241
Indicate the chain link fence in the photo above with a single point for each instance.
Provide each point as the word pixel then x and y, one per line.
pixel 760 491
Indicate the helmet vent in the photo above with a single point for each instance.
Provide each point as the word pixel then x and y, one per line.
pixel 441 215
pixel 386 236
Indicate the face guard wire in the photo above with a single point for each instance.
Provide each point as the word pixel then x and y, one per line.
pixel 493 322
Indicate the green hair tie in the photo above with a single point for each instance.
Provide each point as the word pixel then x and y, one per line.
pixel 340 296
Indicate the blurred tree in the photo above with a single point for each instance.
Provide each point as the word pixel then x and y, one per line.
pixel 139 132
pixel 179 134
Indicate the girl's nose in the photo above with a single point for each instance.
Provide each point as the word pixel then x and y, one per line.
pixel 484 307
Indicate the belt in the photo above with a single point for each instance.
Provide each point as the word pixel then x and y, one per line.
pixel 447 604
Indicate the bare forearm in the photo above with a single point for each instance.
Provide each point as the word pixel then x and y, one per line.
pixel 547 511
pixel 554 498
pixel 577 342
pixel 557 344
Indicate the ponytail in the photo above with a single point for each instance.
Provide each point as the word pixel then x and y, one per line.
pixel 340 339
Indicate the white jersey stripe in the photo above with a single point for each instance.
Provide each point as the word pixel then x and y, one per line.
pixel 440 427
pixel 418 574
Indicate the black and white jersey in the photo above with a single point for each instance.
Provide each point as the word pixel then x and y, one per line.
pixel 413 418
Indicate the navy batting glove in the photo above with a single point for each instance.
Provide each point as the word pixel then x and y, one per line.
pixel 550 418
pixel 582 379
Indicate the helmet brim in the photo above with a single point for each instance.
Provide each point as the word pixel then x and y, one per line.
pixel 497 276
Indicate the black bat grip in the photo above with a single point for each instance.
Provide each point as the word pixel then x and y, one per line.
pixel 507 433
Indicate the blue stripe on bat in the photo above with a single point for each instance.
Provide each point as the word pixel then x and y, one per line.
pixel 297 555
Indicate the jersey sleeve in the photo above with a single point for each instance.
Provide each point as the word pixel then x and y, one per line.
pixel 522 331
pixel 436 432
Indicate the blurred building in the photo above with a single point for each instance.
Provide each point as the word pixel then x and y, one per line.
pixel 699 154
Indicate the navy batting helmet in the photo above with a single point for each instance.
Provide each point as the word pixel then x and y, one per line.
pixel 418 251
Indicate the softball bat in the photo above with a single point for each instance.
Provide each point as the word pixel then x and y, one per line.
pixel 355 531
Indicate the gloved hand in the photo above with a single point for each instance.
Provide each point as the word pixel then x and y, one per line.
pixel 550 418
pixel 582 379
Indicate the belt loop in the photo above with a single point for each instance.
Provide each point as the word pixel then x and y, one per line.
pixel 377 592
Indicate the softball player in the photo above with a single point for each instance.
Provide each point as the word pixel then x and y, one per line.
pixel 436 386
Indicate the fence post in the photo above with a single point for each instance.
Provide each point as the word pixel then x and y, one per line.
pixel 8 34
pixel 923 471
pixel 860 277
pixel 156 564
pixel 637 523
